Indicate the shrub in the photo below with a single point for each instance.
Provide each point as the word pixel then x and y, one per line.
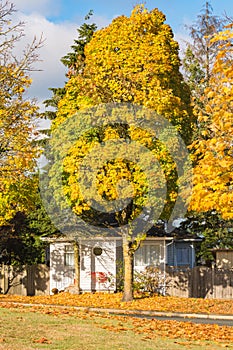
pixel 152 280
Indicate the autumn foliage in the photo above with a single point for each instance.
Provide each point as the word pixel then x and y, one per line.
pixel 129 68
pixel 141 302
pixel 213 173
pixel 135 59
pixel 18 153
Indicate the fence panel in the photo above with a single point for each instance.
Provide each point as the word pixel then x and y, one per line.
pixel 29 280
pixel 223 284
pixel 177 281
pixel 200 282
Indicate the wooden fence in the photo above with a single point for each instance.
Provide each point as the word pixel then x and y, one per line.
pixel 199 282
pixel 31 280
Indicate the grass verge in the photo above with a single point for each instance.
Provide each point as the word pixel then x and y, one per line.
pixel 29 328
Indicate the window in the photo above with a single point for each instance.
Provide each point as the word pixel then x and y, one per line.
pixel 148 254
pixel 183 256
pixel 69 255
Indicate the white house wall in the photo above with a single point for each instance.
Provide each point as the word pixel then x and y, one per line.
pixel 61 276
pixel 96 272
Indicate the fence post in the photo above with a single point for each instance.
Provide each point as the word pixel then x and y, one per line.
pixel 191 277
pixel 2 288
pixel 212 280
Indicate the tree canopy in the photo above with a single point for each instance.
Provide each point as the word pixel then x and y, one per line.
pixel 18 152
pixel 213 173
pixel 135 59
pixel 204 50
pixel 133 63
pixel 123 64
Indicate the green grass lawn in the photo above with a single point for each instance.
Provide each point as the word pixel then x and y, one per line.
pixel 28 328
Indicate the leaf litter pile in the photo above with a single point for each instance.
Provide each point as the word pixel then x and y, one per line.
pixel 113 301
pixel 148 328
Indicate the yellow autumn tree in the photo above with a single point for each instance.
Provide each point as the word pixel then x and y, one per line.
pixel 18 153
pixel 135 59
pixel 213 151
pixel 132 62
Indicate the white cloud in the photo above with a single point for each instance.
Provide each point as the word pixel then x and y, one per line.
pixel 58 38
pixel 57 41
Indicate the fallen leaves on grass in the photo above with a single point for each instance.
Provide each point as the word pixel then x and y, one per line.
pixel 149 329
pixel 42 340
pixel 191 332
pixel 109 300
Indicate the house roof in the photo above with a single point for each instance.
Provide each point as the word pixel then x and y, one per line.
pixel 178 233
pixel 158 231
pixel 67 239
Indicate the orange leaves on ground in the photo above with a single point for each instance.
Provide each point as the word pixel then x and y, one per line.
pixel 149 329
pixel 173 329
pixel 42 340
pixel 113 301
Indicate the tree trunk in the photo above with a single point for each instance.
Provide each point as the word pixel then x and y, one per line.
pixel 128 269
pixel 77 266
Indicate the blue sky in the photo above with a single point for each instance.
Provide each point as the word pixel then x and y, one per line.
pixel 177 12
pixel 58 21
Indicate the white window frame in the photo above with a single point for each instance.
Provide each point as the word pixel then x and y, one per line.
pixel 148 259
pixel 68 255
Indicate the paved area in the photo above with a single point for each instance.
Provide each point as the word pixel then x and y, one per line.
pixel 219 322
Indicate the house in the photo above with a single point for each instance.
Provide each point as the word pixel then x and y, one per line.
pixel 101 258
pixel 98 266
